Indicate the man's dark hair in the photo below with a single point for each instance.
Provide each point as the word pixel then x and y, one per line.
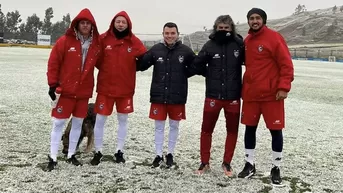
pixel 226 19
pixel 171 25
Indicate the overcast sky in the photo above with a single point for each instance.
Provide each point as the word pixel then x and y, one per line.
pixel 148 16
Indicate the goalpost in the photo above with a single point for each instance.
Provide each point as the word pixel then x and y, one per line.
pixel 332 58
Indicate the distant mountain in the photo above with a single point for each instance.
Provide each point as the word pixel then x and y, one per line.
pixel 321 26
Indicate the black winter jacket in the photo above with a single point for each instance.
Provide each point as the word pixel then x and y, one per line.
pixel 221 64
pixel 170 73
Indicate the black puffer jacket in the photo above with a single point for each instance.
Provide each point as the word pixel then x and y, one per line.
pixel 221 64
pixel 170 74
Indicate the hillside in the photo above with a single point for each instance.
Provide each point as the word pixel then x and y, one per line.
pixel 321 26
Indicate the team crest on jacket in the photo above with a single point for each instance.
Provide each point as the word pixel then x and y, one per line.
pixel 181 58
pixel 260 48
pixel 236 53
pixel 129 49
pixel 59 109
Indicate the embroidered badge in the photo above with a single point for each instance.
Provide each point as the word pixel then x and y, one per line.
pixel 212 103
pixel 260 48
pixel 59 109
pixel 236 53
pixel 155 111
pixel 181 58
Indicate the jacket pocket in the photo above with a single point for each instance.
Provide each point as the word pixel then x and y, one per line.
pixel 259 89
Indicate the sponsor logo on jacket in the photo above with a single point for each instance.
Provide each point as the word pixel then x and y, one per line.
pixel 72 49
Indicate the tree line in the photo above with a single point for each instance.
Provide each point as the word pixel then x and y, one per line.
pixel 14 27
pixel 302 8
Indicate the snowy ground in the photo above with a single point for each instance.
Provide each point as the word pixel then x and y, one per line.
pixel 313 155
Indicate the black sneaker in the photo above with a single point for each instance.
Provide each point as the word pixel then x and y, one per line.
pixel 169 160
pixel 51 165
pixel 157 161
pixel 275 176
pixel 119 157
pixel 248 171
pixel 74 161
pixel 96 159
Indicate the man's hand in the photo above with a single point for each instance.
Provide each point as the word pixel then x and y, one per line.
pixel 280 95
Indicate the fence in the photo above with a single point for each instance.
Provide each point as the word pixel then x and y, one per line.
pixel 322 54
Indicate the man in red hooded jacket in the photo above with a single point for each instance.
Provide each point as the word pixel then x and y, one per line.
pixel 116 81
pixel 266 82
pixel 71 70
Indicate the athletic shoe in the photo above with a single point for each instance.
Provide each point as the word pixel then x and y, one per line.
pixel 248 171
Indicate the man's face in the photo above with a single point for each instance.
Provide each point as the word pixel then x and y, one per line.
pixel 224 27
pixel 120 23
pixel 255 22
pixel 85 27
pixel 170 35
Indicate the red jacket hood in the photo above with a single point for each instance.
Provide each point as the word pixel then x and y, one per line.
pixel 85 14
pixel 124 14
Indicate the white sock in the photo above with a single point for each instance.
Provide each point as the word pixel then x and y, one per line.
pixel 56 135
pixel 173 134
pixel 76 125
pixel 277 156
pixel 250 155
pixel 122 130
pixel 159 136
pixel 99 131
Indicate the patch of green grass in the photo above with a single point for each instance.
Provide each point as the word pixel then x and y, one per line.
pixel 20 165
pixel 146 162
pixel 2 168
pixel 18 151
pixel 112 189
pixel 107 158
pixel 12 157
pixel 294 185
pixel 265 189
pixel 220 184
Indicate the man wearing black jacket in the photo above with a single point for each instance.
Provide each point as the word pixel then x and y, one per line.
pixel 220 62
pixel 169 87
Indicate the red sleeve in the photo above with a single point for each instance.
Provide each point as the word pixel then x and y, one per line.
pixel 55 61
pixel 140 48
pixel 284 61
pixel 101 55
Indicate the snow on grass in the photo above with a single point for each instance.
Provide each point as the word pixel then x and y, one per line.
pixel 312 162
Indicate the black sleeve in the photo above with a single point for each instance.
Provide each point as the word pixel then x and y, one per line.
pixel 240 42
pixel 201 60
pixel 188 63
pixel 145 61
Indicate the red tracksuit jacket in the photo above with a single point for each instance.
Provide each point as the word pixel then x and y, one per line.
pixel 117 73
pixel 64 65
pixel 269 66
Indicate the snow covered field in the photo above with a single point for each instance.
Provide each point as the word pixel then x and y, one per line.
pixel 313 153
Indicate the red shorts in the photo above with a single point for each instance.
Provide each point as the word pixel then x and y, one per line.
pixel 104 105
pixel 273 114
pixel 70 106
pixel 174 112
